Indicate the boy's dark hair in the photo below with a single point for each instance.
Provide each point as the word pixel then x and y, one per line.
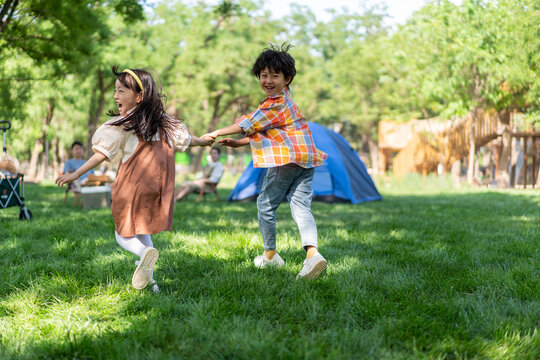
pixel 149 117
pixel 217 149
pixel 276 59
pixel 75 143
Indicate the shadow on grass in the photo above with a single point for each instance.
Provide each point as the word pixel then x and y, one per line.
pixel 208 307
pixel 433 274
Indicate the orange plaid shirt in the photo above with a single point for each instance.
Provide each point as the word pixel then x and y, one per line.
pixel 279 135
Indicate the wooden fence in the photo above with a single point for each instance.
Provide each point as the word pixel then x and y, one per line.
pixel 427 150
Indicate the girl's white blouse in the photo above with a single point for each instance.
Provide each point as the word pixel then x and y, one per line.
pixel 117 144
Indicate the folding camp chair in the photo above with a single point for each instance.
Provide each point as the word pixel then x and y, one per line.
pixel 12 182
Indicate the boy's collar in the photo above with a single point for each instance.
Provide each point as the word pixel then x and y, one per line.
pixel 281 93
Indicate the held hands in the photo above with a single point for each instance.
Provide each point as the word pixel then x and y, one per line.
pixel 65 179
pixel 213 135
pixel 232 129
pixel 201 141
pixel 207 140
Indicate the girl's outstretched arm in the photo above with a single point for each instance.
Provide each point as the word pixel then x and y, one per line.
pixel 94 161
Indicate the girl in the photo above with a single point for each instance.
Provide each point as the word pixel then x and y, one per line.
pixel 142 137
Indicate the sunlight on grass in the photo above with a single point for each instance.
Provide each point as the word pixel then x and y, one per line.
pixel 433 273
pixel 59 320
pixel 513 345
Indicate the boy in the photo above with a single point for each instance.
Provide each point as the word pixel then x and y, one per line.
pixel 281 141
pixel 72 165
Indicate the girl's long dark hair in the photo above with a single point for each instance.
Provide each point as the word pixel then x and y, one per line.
pixel 149 116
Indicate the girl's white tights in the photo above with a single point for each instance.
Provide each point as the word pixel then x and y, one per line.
pixel 134 244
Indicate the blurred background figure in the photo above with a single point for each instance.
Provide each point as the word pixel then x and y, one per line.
pixel 71 165
pixel 211 175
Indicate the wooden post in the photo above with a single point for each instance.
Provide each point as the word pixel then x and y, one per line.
pixel 524 169
pixel 512 162
pixel 472 145
pixel 497 158
pixel 534 174
pixel 382 161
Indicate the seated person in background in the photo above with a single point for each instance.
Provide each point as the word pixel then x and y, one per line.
pixel 211 175
pixel 73 164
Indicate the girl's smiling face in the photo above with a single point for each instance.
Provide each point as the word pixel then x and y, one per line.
pixel 272 82
pixel 125 98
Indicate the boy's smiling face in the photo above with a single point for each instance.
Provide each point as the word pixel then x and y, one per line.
pixel 272 82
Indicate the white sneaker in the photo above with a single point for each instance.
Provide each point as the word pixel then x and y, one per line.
pixel 261 261
pixel 143 274
pixel 155 287
pixel 313 267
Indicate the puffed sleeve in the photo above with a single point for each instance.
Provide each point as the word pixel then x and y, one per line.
pixel 180 137
pixel 108 140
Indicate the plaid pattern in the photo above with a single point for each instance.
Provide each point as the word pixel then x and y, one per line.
pixel 279 135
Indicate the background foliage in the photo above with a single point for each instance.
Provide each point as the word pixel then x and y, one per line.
pixel 447 60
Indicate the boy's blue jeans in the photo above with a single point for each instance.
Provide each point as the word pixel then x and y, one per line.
pixel 294 183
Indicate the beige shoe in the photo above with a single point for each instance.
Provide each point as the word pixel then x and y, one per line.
pixel 261 261
pixel 143 274
pixel 313 267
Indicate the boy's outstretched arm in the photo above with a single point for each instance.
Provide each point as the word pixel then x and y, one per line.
pixel 227 130
pixel 234 142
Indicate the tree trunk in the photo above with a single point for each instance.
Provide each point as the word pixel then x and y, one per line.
pixel 381 164
pixel 171 105
pixel 198 159
pixel 478 97
pixel 40 144
pixel 42 174
pixel 455 172
pixel 97 105
pixel 7 10
pixel 32 168
pixel 55 158
pixel 374 154
pixel 503 175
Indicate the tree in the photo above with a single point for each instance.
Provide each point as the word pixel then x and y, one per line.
pixel 467 58
pixel 338 66
pixel 41 42
pixel 63 30
pixel 204 55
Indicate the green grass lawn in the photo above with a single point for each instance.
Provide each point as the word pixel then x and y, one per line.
pixel 427 273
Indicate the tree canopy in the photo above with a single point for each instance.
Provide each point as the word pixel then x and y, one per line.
pixel 353 71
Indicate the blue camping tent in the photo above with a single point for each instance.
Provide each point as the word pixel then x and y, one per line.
pixel 343 178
